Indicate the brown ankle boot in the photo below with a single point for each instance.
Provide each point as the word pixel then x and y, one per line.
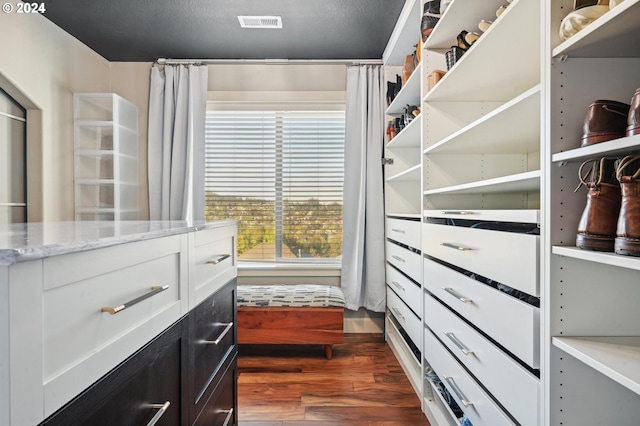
pixel 628 233
pixel 605 120
pixel 597 227
pixel 633 121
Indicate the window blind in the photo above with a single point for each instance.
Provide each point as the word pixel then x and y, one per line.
pixel 280 175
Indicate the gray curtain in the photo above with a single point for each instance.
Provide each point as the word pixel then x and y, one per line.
pixel 177 110
pixel 363 270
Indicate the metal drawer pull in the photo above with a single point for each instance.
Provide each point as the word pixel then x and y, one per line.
pixel 455 389
pixel 457 212
pixel 398 258
pixel 229 416
pixel 458 343
pixel 400 231
pixel 154 290
pixel 398 314
pixel 397 285
pixel 457 295
pixel 161 411
pixel 456 246
pixel 228 327
pixel 218 259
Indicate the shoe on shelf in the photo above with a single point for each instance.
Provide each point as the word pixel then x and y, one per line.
pixel 605 120
pixel 597 226
pixel 580 18
pixel 484 25
pixel 627 240
pixel 633 121
pixel 430 17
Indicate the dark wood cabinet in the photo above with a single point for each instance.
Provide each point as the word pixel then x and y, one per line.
pixel 221 407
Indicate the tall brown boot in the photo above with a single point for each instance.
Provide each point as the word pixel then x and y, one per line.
pixel 597 227
pixel 628 233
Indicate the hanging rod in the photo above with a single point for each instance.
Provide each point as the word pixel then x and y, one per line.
pixel 166 61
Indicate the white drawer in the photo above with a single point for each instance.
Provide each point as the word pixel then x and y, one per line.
pixel 409 292
pixel 511 322
pixel 511 384
pixel 507 257
pixel 213 262
pixel 411 323
pixel 407 261
pixel 81 341
pixel 404 231
pixel 478 406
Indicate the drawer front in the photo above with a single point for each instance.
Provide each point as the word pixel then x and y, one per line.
pixel 407 319
pixel 512 385
pixel 214 261
pixel 85 333
pixel 407 290
pixel 405 260
pixel 213 338
pixel 221 407
pixel 404 231
pixel 480 408
pixel 488 309
pixel 507 257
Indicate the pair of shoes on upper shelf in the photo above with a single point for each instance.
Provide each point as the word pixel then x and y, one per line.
pixel 607 120
pixel 611 218
pixel 486 23
pixel 584 13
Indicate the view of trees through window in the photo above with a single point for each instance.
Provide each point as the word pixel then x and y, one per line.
pixel 280 175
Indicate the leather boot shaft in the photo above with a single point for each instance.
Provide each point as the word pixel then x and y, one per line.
pixel 606 120
pixel 628 227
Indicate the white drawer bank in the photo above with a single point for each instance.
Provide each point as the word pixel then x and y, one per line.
pixel 76 299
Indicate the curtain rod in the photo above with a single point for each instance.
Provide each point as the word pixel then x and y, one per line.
pixel 166 61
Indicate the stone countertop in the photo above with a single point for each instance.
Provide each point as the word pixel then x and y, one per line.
pixel 22 242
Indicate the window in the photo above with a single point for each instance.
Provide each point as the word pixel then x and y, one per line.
pixel 280 175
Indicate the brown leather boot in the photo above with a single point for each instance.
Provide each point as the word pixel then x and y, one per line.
pixel 628 233
pixel 597 227
pixel 633 120
pixel 605 120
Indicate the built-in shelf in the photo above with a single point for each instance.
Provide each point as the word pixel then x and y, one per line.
pixel 513 128
pixel 408 95
pixel 411 174
pixel 606 258
pixel 405 35
pixel 616 357
pixel 613 148
pixel 403 215
pixel 614 34
pixel 485 72
pixel 409 137
pixel 510 215
pixel 521 182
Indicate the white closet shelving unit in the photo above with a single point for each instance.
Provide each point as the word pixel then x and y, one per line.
pixel 592 322
pixel 106 157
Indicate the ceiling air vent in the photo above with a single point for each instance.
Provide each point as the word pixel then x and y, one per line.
pixel 260 21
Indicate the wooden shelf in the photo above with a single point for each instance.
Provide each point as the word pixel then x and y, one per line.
pixel 513 128
pixel 614 148
pixel 522 182
pixel 606 258
pixel 409 137
pixel 411 174
pixel 405 34
pixel 408 95
pixel 614 34
pixel 618 358
pixel 486 72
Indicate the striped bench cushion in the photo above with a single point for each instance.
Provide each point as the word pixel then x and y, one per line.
pixel 300 295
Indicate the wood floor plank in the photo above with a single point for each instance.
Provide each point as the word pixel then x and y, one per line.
pixel 363 385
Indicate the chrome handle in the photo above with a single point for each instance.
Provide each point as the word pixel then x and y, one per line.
pixel 398 314
pixel 455 390
pixel 115 309
pixel 400 231
pixel 456 246
pixel 398 258
pixel 457 342
pixel 228 327
pixel 457 295
pixel 458 212
pixel 229 416
pixel 161 411
pixel 218 259
pixel 397 285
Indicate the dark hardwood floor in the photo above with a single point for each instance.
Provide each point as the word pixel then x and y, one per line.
pixel 363 385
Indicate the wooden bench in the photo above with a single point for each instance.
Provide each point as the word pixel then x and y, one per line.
pixel 291 314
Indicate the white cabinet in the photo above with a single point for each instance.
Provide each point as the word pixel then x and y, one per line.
pixel 593 325
pixel 106 157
